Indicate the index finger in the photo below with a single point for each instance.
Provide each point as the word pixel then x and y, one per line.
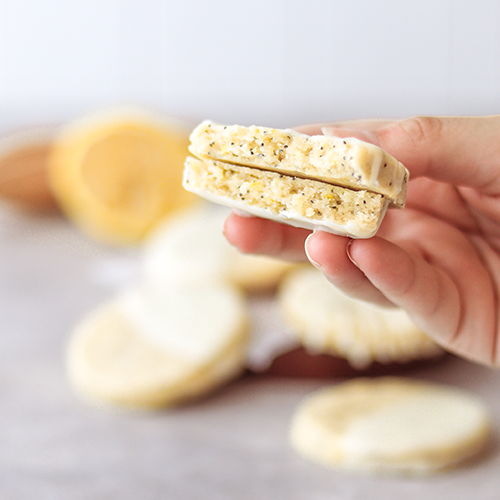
pixel 460 150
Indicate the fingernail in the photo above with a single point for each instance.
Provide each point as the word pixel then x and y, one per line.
pixel 314 263
pixel 242 213
pixel 362 135
pixel 348 251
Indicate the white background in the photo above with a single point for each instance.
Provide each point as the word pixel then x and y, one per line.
pixel 269 62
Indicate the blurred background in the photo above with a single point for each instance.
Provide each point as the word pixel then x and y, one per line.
pixel 269 62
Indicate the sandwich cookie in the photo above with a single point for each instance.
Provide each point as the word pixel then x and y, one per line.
pixel 390 425
pixel 153 347
pixel 328 322
pixel 338 185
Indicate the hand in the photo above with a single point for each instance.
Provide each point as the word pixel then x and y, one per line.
pixel 439 258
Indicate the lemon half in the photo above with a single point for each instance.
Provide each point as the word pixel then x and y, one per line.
pixel 118 174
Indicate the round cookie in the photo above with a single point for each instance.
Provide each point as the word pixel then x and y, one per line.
pixel 24 159
pixel 390 425
pixel 153 347
pixel 190 248
pixel 328 322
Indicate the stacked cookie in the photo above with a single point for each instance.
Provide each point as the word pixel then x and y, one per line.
pixel 342 186
pixel 153 347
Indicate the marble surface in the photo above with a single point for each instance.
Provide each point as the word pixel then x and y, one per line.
pixel 230 445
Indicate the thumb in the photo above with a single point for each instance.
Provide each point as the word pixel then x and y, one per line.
pixel 460 150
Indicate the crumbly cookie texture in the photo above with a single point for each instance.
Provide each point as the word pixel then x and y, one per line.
pixel 327 321
pixel 346 162
pixel 302 202
pixel 390 425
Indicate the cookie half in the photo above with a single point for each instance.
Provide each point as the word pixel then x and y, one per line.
pixel 306 203
pixel 390 425
pixel 346 162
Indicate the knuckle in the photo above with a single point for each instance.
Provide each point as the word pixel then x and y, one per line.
pixel 422 129
pixel 416 141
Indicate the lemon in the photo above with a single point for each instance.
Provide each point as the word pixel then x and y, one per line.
pixel 116 174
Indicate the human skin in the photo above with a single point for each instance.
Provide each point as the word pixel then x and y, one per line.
pixel 438 258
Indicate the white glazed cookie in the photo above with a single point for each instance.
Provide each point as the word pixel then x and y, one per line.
pixel 306 203
pixel 344 162
pixel 152 347
pixel 390 425
pixel 326 321
pixel 190 248
pixel 342 186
